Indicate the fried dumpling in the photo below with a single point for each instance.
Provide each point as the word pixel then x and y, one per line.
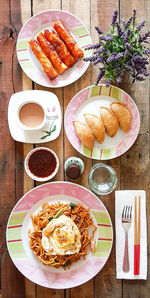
pixel 123 115
pixel 109 120
pixel 84 134
pixel 97 127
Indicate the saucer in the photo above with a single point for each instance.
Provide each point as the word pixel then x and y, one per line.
pixel 46 99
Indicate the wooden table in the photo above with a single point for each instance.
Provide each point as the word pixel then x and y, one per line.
pixel 132 167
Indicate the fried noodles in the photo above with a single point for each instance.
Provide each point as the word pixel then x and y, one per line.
pixel 81 217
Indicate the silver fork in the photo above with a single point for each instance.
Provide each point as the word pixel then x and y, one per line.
pixel 126 223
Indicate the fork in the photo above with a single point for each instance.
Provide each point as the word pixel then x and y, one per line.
pixel 126 223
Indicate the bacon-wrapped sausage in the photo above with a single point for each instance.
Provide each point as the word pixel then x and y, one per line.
pixel 68 39
pixel 46 64
pixel 60 47
pixel 51 53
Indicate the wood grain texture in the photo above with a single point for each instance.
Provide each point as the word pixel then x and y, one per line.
pixel 136 160
pixel 26 13
pixel 11 182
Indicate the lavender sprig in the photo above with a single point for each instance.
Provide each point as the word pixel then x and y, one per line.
pixel 106 38
pixel 144 37
pixel 119 30
pixel 99 30
pixel 138 28
pixel 128 23
pixel 115 57
pixel 94 46
pixel 114 18
pixel 100 76
pixel 121 49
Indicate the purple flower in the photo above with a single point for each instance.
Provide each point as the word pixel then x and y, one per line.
pixel 145 72
pixel 121 50
pixel 119 29
pixel 99 51
pixel 128 46
pixel 128 23
pixel 93 46
pixel 138 28
pixel 126 35
pixel 139 59
pixel 115 57
pixel 126 53
pixel 99 30
pixel 101 74
pixel 128 68
pixel 98 60
pixel 91 59
pixel 106 38
pixel 139 78
pixel 146 51
pixel 108 82
pixel 144 37
pixel 114 18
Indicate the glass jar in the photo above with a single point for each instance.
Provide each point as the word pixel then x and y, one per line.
pixel 74 167
pixel 102 179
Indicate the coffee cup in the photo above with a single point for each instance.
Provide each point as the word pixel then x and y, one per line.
pixel 33 116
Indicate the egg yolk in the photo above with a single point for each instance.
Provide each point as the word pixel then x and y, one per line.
pixel 63 237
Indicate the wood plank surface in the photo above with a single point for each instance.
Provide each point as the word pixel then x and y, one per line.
pixel 13 179
pixel 136 161
pixel 10 152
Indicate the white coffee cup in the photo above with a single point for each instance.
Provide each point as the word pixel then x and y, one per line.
pixel 32 116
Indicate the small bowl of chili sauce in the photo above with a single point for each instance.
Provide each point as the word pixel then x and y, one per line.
pixel 41 164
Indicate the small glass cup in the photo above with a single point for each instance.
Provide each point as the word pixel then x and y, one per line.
pixel 102 179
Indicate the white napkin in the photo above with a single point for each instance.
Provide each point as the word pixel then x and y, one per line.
pixel 126 197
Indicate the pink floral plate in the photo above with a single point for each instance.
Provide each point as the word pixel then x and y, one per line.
pixel 89 100
pixel 19 223
pixel 38 23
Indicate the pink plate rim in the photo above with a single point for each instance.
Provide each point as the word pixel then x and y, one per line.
pixel 43 277
pixel 40 78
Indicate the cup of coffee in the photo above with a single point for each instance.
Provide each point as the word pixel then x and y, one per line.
pixel 31 116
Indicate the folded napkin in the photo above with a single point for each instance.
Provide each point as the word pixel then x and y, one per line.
pixel 122 198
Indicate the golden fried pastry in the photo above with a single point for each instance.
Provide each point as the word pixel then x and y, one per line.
pixel 123 115
pixel 97 127
pixel 84 134
pixel 109 120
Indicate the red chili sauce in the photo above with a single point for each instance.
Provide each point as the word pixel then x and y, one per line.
pixel 42 163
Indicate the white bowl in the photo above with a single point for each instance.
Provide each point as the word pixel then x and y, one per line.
pixel 37 178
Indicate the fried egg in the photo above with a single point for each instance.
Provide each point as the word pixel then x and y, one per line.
pixel 61 236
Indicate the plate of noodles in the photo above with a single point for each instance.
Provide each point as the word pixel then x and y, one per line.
pixel 59 235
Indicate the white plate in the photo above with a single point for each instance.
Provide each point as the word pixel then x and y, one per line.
pixel 45 98
pixel 38 23
pixel 89 100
